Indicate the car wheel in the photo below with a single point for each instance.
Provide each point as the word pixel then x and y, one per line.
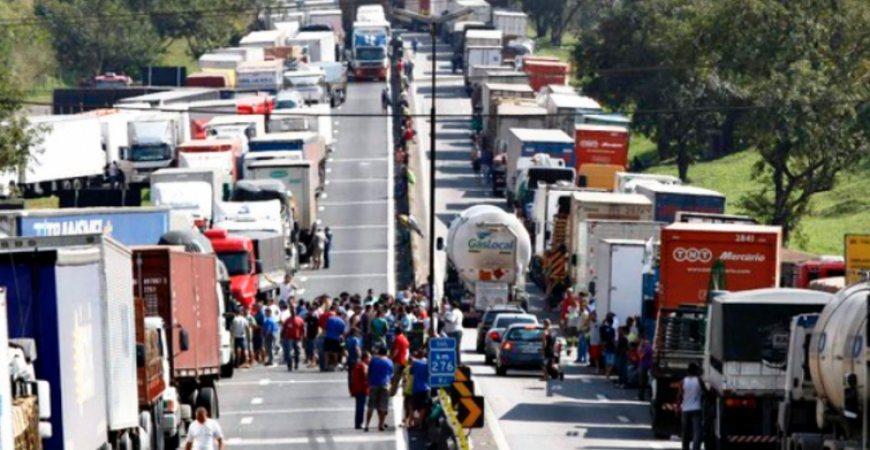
pixel 500 371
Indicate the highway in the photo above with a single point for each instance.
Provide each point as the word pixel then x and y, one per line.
pixel 585 411
pixel 267 407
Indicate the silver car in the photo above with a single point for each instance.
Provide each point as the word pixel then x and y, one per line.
pixel 496 333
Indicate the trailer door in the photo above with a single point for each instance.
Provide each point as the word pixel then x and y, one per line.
pixel 626 280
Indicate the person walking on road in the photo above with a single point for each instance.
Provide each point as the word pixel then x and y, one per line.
pixel 292 332
pixel 359 388
pixel 204 433
pixel 327 246
pixel 239 329
pixel 335 329
pixel 311 331
pixel 608 344
pixel 420 389
pixel 453 327
pixel 270 330
pixel 689 395
pixel 381 371
pixel 385 99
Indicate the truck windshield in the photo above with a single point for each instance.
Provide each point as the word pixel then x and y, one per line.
pixel 287 104
pixel 237 262
pixel 370 53
pixel 154 152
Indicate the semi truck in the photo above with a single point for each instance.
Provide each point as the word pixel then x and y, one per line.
pixel 179 287
pixel 299 178
pixel 129 225
pixel 527 143
pixel 745 357
pixel 310 145
pixel 222 155
pixel 532 173
pixel 318 46
pixel 153 139
pixel 824 399
pixel 601 144
pixel 369 48
pixel 189 191
pixel 668 199
pixel 488 252
pixel 73 299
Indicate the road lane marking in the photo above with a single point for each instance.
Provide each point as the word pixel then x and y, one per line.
pixel 357 227
pixel 329 170
pixel 320 208
pixel 341 439
pixel 324 196
pixel 358 251
pixel 361 202
pixel 264 381
pixel 287 411
pixel 391 218
pixel 282 382
pixel 585 380
pixel 246 420
pixel 257 400
pixel 359 180
pixel 623 419
pixel 401 443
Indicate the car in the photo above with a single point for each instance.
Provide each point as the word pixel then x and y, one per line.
pixel 521 348
pixel 502 322
pixel 488 317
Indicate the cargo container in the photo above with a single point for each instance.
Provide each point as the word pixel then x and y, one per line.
pixel 589 234
pixel 241 126
pixel 264 39
pixel 543 73
pixel 72 297
pixel 220 61
pixel 526 143
pixel 591 205
pixel 494 91
pixel 297 175
pixel 626 182
pixel 618 281
pixel 248 54
pixel 512 23
pixel 511 113
pixel 483 38
pixel 475 72
pixel 180 288
pixel 564 108
pixel 668 199
pixel 220 154
pixel 480 55
pixel 190 191
pixel 601 144
pixel 130 226
pixel 749 254
pixel 311 145
pixel 320 45
pixel 208 80
pixel 330 18
pixel 598 176
pixel 260 75
pixel 498 76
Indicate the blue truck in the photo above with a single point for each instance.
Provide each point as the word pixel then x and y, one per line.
pixel 369 57
pixel 667 200
pixel 130 226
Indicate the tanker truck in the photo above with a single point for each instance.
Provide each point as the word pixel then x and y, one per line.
pixel 825 399
pixel 488 252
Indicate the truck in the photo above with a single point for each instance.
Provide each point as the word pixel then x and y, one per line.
pixel 189 190
pixel 618 280
pixel 224 155
pixel 153 139
pixel 310 145
pixel 243 126
pixel 330 18
pixel 688 252
pixel 318 46
pixel 477 71
pixel 563 110
pixel 668 199
pixel 598 176
pixel 626 182
pixel 544 208
pixel 532 173
pixel 494 91
pixel 310 82
pixel 264 39
pixel 526 143
pixel 588 236
pixel 316 118
pixel 260 75
pixel 128 225
pixel 53 163
pixel 513 24
pixel 335 78
pixel 180 288
pixel 824 400
pixel 73 299
pixel 511 113
pixel 601 144
pixel 543 72
pixel 24 399
pixel 298 176
pixel 488 252
pixel 369 58
pixel 479 55
pixel 248 54
pixel 745 357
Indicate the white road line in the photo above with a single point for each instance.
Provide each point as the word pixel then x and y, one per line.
pixel 324 195
pixel 359 180
pixel 257 400
pixel 361 202
pixel 329 170
pixel 358 160
pixel 246 420
pixel 283 382
pixel 265 381
pixel 585 380
pixel 345 439
pixel 286 411
pixel 361 251
pixel 400 436
pixel 391 221
pixel 303 278
pixel 320 208
pixel 622 419
pixel 494 427
pixel 357 227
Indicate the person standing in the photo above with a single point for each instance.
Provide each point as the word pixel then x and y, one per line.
pixel 381 371
pixel 335 329
pixel 453 327
pixel 287 289
pixel 292 332
pixel 595 343
pixel 420 389
pixel 204 432
pixel 379 329
pixel 311 331
pixel 239 329
pixel 690 394
pixel 583 335
pixel 385 99
pixel 608 344
pixel 359 387
pixel 327 246
pixel 270 329
pixel 399 355
pixel 548 347
pixel 645 362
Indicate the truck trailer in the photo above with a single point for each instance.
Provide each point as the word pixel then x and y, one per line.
pixel 129 225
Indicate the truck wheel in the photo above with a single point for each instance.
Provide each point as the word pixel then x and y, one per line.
pixel 207 399
pixel 228 368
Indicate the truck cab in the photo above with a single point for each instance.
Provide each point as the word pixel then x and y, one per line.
pixel 152 142
pixel 369 58
pixel 237 254
pixel 534 172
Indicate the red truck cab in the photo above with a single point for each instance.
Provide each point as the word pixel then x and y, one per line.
pixel 237 253
pixel 818 268
pixel 260 104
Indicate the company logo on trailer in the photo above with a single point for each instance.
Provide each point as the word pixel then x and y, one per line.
pixel 705 255
pixel 484 241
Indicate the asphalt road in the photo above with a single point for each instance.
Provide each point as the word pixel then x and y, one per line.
pixel 357 203
pixel 583 412
pixel 267 407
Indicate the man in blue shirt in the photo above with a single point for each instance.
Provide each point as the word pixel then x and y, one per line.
pixel 334 331
pixel 420 389
pixel 380 373
pixel 270 329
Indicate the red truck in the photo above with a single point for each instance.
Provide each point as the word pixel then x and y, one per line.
pixel 180 288
pixel 600 144
pixel 749 253
pixel 254 261
pixel 544 71
pixel 814 269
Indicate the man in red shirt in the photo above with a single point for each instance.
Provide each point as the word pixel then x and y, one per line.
pixel 399 355
pixel 359 388
pixel 292 332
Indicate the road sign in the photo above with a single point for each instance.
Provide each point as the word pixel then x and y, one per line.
pixel 857 257
pixel 470 412
pixel 461 389
pixel 442 361
pixel 463 373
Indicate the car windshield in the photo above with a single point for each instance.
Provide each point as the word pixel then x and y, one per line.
pixel 286 104
pixel 236 262
pixel 370 53
pixel 523 334
pixel 155 152
pixel 504 322
pixel 490 316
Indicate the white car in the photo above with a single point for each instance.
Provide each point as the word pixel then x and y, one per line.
pixel 496 333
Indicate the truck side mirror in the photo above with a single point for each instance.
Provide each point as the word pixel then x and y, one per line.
pixel 439 243
pixel 258 266
pixel 140 356
pixel 183 340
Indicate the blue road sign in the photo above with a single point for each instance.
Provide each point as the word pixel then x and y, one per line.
pixel 442 362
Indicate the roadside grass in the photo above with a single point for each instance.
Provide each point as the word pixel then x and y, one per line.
pixel 177 55
pixel 51 202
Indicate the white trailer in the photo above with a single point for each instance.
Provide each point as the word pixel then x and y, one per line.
pixel 299 176
pixel 320 45
pixel 483 38
pixel 563 109
pixel 511 23
pixel 589 234
pixel 626 182
pixel 194 191
pixel 260 75
pixel 619 278
pixel 225 60
pixel 248 54
pixel 264 39
pixel 480 55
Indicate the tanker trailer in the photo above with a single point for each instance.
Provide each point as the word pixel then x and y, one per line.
pixel 488 253
pixel 825 401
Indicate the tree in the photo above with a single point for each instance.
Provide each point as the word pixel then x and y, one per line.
pixel 94 36
pixel 804 65
pixel 17 138
pixel 553 17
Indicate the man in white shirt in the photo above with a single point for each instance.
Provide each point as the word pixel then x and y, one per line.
pixel 287 288
pixel 204 433
pixel 690 394
pixel 453 326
